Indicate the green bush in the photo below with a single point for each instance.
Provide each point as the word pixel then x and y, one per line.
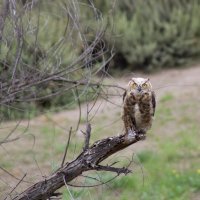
pixel 153 34
pixel 147 35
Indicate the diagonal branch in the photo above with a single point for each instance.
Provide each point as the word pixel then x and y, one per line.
pixel 87 160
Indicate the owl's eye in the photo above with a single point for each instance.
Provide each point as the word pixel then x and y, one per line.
pixel 133 86
pixel 144 85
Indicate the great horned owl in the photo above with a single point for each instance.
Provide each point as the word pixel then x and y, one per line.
pixel 139 106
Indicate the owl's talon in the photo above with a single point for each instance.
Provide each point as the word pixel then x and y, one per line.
pixel 142 137
pixel 141 132
pixel 131 134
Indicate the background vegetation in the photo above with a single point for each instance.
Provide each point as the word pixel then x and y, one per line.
pixel 165 166
pixel 151 35
pixel 46 41
pixel 145 35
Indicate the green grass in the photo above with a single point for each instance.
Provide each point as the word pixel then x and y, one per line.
pixel 166 167
pixel 163 181
pixel 170 171
pixel 167 97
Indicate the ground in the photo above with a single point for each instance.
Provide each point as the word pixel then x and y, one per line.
pixel 165 166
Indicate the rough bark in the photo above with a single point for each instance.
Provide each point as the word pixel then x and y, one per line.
pixel 89 159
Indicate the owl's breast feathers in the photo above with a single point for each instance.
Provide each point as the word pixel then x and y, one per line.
pixel 141 109
pixel 145 111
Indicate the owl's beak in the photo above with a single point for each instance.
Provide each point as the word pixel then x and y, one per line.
pixel 139 88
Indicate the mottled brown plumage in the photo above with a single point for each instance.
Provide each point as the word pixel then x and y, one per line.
pixel 139 106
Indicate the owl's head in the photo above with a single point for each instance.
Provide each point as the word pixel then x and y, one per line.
pixel 140 85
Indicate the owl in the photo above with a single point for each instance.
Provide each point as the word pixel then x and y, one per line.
pixel 139 105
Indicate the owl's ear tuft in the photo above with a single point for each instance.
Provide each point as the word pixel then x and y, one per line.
pixel 146 80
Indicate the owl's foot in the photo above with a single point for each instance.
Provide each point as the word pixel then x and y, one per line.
pixel 141 132
pixel 131 134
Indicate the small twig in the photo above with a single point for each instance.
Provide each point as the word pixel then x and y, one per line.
pixel 95 185
pixel 87 137
pixel 9 140
pixel 16 185
pixel 7 172
pixel 68 188
pixel 122 170
pixel 86 82
pixel 67 146
pixel 6 139
pixel 79 107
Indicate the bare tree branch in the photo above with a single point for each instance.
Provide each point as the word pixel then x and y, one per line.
pixel 87 160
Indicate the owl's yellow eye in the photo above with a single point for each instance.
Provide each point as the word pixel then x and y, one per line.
pixel 133 86
pixel 144 85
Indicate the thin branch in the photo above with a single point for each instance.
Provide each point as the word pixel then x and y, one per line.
pixel 7 172
pixel 9 140
pixel 16 186
pixel 6 139
pixel 119 171
pixel 67 146
pixel 79 108
pixel 68 188
pixel 95 185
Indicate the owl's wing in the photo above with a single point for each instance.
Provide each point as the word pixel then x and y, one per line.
pixel 153 102
pixel 124 95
